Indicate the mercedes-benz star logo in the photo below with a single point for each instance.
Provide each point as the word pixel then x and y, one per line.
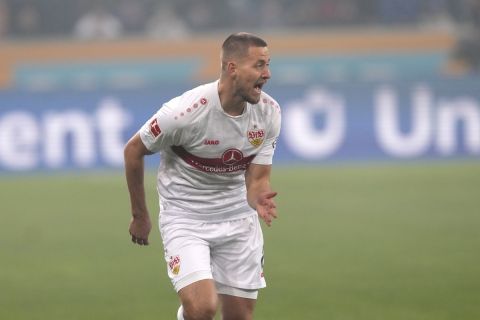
pixel 232 156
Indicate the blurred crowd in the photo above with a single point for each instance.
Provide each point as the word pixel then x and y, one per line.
pixel 178 19
pixel 111 19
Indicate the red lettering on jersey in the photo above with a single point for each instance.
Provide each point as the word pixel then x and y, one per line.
pixel 256 134
pixel 154 128
pixel 210 142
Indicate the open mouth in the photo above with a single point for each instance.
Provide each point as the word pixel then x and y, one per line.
pixel 258 87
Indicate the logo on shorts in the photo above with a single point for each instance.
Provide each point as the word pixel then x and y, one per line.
pixel 274 143
pixel 174 264
pixel 262 262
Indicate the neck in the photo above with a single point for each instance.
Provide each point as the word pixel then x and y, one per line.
pixel 231 104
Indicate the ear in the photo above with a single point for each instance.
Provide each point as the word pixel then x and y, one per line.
pixel 231 68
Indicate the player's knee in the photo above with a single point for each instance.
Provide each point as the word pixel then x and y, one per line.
pixel 202 309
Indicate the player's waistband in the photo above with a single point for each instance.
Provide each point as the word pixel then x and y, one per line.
pixel 207 217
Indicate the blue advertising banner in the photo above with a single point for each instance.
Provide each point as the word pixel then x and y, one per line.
pixel 320 124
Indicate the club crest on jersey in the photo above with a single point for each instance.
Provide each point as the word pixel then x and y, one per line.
pixel 256 136
pixel 174 264
pixel 154 128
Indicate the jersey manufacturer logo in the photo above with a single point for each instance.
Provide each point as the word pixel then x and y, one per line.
pixel 154 128
pixel 232 156
pixel 274 143
pixel 262 261
pixel 211 142
pixel 255 137
pixel 174 264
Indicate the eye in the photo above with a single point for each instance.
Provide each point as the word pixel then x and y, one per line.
pixel 261 64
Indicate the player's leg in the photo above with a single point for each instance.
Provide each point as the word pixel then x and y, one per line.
pixel 237 304
pixel 199 300
pixel 237 308
pixel 237 265
pixel 187 254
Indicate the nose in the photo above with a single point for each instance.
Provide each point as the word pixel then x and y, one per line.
pixel 266 73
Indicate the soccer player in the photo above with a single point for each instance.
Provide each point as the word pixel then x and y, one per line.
pixel 216 143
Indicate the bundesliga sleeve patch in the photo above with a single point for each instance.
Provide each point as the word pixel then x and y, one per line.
pixel 154 128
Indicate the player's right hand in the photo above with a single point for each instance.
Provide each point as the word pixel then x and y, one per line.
pixel 140 229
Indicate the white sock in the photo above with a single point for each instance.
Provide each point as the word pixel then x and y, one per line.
pixel 180 313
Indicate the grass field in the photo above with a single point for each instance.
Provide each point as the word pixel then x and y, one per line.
pixel 368 242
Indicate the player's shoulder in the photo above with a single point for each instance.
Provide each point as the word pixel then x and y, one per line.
pixel 188 107
pixel 198 94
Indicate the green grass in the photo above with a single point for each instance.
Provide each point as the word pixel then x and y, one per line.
pixel 368 242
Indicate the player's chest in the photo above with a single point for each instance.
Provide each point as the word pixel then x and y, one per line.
pixel 217 136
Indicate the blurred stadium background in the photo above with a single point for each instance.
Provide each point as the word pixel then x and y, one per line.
pixel 377 167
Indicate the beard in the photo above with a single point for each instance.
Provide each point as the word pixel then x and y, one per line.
pixel 252 100
pixel 249 97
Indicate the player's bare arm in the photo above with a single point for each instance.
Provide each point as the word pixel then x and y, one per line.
pixel 259 193
pixel 134 154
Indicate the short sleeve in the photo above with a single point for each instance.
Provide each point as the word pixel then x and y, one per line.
pixel 265 155
pixel 161 130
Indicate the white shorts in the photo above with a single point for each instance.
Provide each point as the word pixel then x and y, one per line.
pixel 229 252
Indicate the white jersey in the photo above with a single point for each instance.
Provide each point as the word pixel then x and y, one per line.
pixel 205 152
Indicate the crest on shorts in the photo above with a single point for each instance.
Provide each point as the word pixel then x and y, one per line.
pixel 256 136
pixel 174 264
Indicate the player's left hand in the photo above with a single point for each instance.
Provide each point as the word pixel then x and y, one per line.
pixel 266 207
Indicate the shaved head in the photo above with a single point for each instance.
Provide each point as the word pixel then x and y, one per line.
pixel 237 44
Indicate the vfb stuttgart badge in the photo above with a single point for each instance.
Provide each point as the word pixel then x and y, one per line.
pixel 174 264
pixel 256 136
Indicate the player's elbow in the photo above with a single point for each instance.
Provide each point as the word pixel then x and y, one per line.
pixel 134 149
pixel 129 149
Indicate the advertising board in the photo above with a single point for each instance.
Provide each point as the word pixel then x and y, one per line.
pixel 344 122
